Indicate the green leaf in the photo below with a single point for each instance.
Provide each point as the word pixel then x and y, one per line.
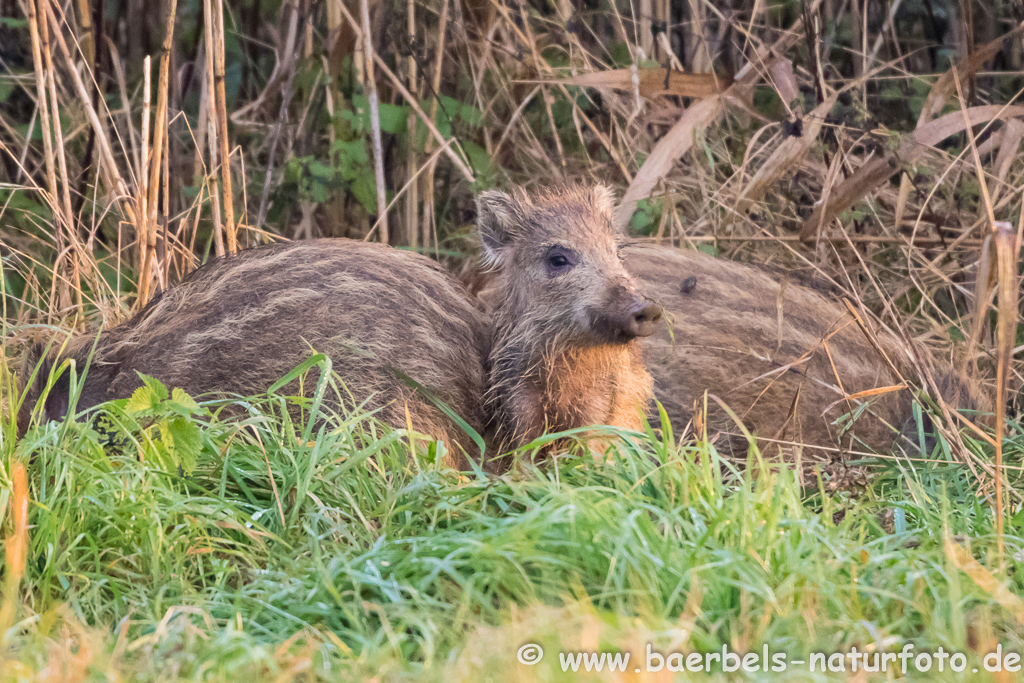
pixel 159 390
pixel 321 171
pixel 143 400
pixel 319 192
pixel 392 118
pixel 641 220
pixel 184 441
pixel 447 110
pixel 479 159
pixel 353 160
pixel 365 190
pixel 181 398
pixel 621 55
pixel 471 115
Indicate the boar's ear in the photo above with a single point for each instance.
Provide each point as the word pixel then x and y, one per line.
pixel 603 198
pixel 497 218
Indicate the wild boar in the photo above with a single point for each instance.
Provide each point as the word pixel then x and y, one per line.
pixel 788 359
pixel 567 317
pixel 238 324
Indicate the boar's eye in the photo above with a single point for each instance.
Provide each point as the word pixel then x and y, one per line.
pixel 559 261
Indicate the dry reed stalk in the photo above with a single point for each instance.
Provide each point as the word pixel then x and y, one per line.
pixel 132 160
pixel 412 200
pixel 160 155
pixel 370 85
pixel 86 43
pixel 1006 326
pixel 1013 133
pixel 986 199
pixel 649 82
pixel 222 127
pixel 143 175
pixel 428 182
pixel 41 99
pixel 644 21
pixel 218 233
pixel 1000 400
pixel 64 227
pixel 212 127
pixel 112 177
pixel 42 106
pixel 982 296
pixel 199 134
pixel 1006 257
pixel 826 191
pixel 906 185
pixel 58 138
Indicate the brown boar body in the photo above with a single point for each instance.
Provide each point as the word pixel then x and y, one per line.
pixel 567 316
pixel 238 324
pixel 782 356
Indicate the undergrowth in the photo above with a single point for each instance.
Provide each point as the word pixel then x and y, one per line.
pixel 299 544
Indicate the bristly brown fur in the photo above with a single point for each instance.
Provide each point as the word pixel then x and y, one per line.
pixel 551 370
pixel 238 324
pixel 738 329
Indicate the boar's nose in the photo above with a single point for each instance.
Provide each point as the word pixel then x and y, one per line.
pixel 625 315
pixel 645 315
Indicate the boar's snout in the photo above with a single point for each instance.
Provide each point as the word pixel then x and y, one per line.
pixel 626 316
pixel 645 315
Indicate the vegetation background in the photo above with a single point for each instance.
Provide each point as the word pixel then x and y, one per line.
pixel 869 144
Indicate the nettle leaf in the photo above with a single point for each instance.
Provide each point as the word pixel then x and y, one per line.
pixel 319 192
pixel 180 399
pixel 471 115
pixel 353 159
pixel 184 440
pixel 159 390
pixel 447 110
pixel 364 188
pixel 321 171
pixel 392 118
pixel 479 159
pixel 143 400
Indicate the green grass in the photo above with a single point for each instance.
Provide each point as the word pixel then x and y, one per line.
pixel 331 550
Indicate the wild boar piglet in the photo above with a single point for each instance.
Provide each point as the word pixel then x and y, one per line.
pixel 791 361
pixel 238 324
pixel 566 315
